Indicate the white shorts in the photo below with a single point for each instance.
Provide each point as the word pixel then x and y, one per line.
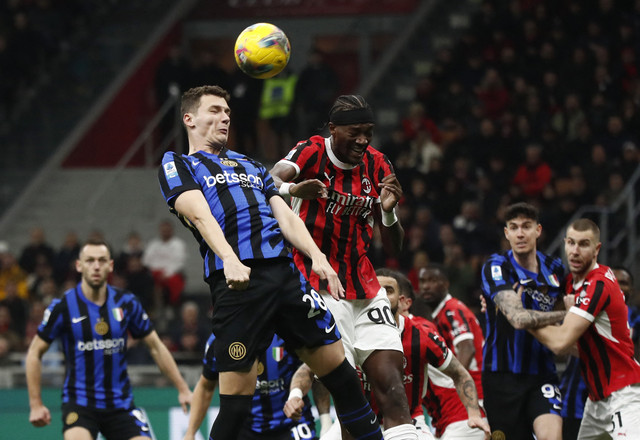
pixel 424 431
pixel 617 416
pixel 366 325
pixel 461 431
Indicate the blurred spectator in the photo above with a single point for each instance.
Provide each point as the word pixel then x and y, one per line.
pixel 36 251
pixel 36 314
pixel 133 247
pixel 245 102
pixel 173 71
pixel 48 289
pixel 614 137
pixel 6 329
pixel 318 85
pixel 139 280
pixel 630 160
pixel 474 234
pixel 166 256
pixel 64 263
pixel 534 174
pixel 18 307
pixel 597 169
pixel 5 351
pixel 493 95
pixel 416 121
pixel 206 70
pixel 189 332
pixel 11 272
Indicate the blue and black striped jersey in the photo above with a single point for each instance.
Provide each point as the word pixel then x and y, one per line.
pixel 507 349
pixel 574 390
pixel 237 190
pixel 94 341
pixel 634 323
pixel 276 368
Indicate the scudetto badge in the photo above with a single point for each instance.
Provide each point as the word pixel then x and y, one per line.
pixel 101 327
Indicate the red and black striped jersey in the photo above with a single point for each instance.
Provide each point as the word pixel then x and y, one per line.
pixel 606 349
pixel 422 347
pixel 341 224
pixel 457 323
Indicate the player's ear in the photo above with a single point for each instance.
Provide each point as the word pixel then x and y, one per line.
pixel 187 119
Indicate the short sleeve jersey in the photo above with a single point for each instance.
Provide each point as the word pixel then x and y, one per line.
pixel 606 350
pixel 422 347
pixel 276 368
pixel 237 190
pixel 507 349
pixel 456 323
pixel 342 224
pixel 94 341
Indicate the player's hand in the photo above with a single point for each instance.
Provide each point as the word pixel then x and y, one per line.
pixel 483 304
pixel 391 192
pixel 40 416
pixel 569 301
pixel 185 400
pixel 309 190
pixel 236 274
pixel 321 266
pixel 293 408
pixel 480 423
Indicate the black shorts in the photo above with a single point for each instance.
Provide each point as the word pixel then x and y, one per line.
pixel 117 424
pixel 301 431
pixel 513 401
pixel 278 299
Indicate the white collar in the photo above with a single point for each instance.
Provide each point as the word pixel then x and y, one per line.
pixel 332 156
pixel 446 298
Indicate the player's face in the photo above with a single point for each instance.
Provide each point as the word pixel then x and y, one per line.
pixel 95 265
pixel 522 233
pixel 432 286
pixel 582 250
pixel 624 281
pixel 393 292
pixel 211 121
pixel 350 141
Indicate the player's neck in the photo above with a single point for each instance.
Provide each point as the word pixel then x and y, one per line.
pixel 579 277
pixel 528 260
pixel 194 147
pixel 95 295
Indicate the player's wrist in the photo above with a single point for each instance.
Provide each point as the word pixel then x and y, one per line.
pixel 325 419
pixel 285 188
pixel 295 392
pixel 389 218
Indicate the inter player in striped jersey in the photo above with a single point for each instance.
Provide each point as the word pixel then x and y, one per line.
pixel 93 321
pixel 243 227
pixel 276 368
pixel 340 187
pixel 625 281
pixel 597 322
pixel 457 324
pixel 522 290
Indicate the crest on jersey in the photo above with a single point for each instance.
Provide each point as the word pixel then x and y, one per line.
pixel 553 280
pixel 228 162
pixel 72 418
pixel 366 185
pixel 496 273
pixel 101 327
pixel 237 351
pixel 118 313
pixel 170 170
pixel 277 353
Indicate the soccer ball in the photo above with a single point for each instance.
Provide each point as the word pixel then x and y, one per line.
pixel 262 50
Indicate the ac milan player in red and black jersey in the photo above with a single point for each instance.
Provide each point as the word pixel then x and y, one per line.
pixel 454 320
pixel 597 322
pixel 340 187
pixel 452 398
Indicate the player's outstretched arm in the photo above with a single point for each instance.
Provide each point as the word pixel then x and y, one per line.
pixel 202 395
pixel 390 195
pixel 195 208
pixel 309 189
pixel 562 338
pixel 168 366
pixel 39 415
pixel 510 304
pixel 296 233
pixel 466 389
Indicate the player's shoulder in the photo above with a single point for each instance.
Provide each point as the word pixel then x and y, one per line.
pixel 604 274
pixel 120 295
pixel 553 263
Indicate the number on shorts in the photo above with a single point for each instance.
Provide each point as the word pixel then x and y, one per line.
pixel 301 431
pixel 382 316
pixel 315 301
pixel 617 416
pixel 551 392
